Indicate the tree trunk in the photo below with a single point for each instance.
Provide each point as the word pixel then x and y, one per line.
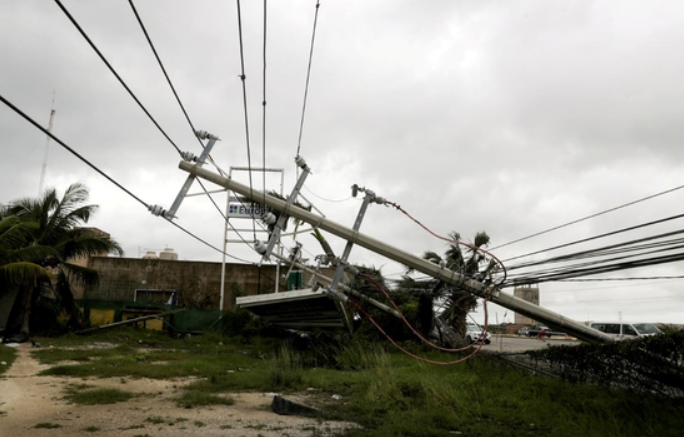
pixel 28 301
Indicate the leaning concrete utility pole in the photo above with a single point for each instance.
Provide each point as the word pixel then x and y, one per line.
pixel 513 303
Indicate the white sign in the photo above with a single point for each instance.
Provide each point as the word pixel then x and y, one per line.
pixel 242 208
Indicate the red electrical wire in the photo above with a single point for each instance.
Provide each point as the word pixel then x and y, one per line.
pixel 450 240
pixel 408 324
pixel 425 360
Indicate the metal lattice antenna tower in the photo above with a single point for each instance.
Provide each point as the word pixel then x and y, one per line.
pixel 47 147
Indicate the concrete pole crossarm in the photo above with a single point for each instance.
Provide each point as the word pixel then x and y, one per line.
pixel 513 303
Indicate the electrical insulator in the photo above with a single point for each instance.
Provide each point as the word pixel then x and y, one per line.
pixel 269 218
pixel 260 247
pixel 355 190
pixel 188 156
pixel 300 162
pixel 203 135
pixel 156 210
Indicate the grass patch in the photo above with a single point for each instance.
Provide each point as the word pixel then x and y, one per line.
pixel 155 420
pixel 203 356
pixel 7 356
pixel 97 396
pixel 91 429
pixel 195 398
pixel 385 392
pixel 47 425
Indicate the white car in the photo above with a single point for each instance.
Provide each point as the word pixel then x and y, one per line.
pixel 624 330
pixel 474 334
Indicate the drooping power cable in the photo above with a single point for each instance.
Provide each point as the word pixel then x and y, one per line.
pixel 590 216
pixel 103 174
pixel 243 77
pixel 308 77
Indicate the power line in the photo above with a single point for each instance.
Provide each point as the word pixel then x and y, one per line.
pixel 161 65
pixel 205 242
pixel 308 76
pixel 587 271
pixel 590 216
pixel 610 249
pixel 94 47
pixel 263 105
pixel 224 216
pixel 642 278
pixel 103 174
pixel 72 151
pixel 639 250
pixel 596 237
pixel 185 113
pixel 244 101
pixel 326 199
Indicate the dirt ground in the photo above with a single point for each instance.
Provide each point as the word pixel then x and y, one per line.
pixel 27 400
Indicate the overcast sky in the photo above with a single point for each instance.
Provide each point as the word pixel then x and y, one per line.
pixel 509 117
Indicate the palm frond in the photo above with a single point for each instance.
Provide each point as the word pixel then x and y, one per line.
pixel 433 257
pixel 32 254
pixel 79 275
pixel 481 239
pixel 23 273
pixel 15 233
pixel 83 244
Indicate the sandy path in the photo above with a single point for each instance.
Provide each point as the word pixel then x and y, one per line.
pixel 27 400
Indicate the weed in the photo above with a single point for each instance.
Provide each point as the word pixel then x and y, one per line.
pixel 286 370
pixel 193 398
pixel 133 427
pixel 47 425
pixel 97 396
pixel 199 423
pixel 91 429
pixel 155 420
pixel 226 427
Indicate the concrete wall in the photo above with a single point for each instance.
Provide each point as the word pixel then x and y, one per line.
pixel 198 283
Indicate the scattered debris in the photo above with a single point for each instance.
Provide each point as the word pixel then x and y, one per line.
pixel 283 406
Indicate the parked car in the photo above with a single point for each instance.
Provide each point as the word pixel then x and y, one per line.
pixel 545 331
pixel 625 330
pixel 524 331
pixel 475 334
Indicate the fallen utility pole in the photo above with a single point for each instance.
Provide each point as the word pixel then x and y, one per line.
pixel 513 303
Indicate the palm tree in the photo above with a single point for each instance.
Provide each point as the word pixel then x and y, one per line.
pixel 54 224
pixel 455 303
